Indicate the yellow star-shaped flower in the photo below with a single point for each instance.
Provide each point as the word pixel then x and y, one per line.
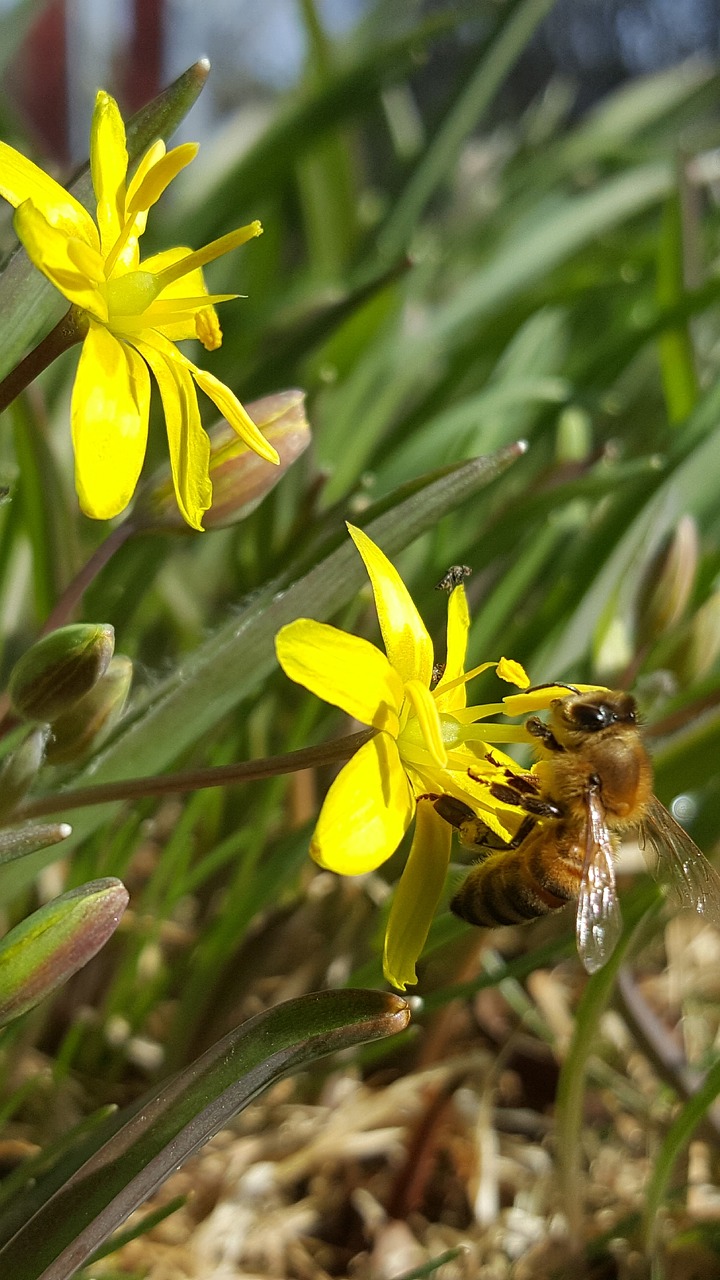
pixel 134 313
pixel 426 741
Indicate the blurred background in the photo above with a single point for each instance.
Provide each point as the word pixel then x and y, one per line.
pixel 135 47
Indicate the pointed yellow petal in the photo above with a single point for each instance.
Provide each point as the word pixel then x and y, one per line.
pixel 234 413
pixel 417 895
pixel 152 156
pixel 188 443
pixel 407 643
pixel 426 711
pixel 159 176
pixel 22 180
pixel 110 406
pixel 367 811
pixel 126 253
pixel 108 167
pixel 57 256
pixel 342 669
pixel 458 626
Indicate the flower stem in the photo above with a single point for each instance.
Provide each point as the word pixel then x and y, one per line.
pixel 196 779
pixel 71 329
pixel 65 607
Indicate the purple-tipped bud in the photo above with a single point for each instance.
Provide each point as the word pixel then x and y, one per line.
pixel 240 478
pixel 81 728
pixel 54 942
pixel 60 669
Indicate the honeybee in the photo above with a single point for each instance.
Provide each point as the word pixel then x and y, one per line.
pixel 594 783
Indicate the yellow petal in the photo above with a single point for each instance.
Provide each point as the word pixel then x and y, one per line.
pixel 21 180
pixel 152 156
pixel 159 176
pixel 417 895
pixel 539 699
pixel 367 811
pixel 426 712
pixel 234 413
pixel 126 254
pixel 110 406
pixel 188 443
pixel 458 626
pixel 189 282
pixel 342 669
pixel 407 643
pixel 51 251
pixel 108 167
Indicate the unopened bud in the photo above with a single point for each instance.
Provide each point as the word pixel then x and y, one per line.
pixel 54 942
pixel 696 648
pixel 60 669
pixel 20 768
pixel 240 478
pixel 18 842
pixel 668 583
pixel 84 725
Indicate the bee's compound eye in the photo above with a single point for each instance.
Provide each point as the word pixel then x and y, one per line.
pixel 592 716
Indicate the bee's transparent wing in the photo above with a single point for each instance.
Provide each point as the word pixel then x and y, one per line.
pixel 694 882
pixel 598 922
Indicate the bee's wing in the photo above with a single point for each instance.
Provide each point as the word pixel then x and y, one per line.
pixel 598 922
pixel 695 882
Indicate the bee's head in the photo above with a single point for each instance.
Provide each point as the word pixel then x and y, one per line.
pixel 585 713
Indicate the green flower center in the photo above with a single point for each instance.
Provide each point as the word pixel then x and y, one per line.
pixel 131 294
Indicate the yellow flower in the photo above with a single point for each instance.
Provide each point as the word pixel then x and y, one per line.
pixel 134 312
pixel 426 740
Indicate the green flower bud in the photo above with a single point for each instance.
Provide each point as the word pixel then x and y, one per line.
pixel 60 669
pixel 20 768
pixel 240 478
pixel 668 582
pixel 56 941
pixel 85 724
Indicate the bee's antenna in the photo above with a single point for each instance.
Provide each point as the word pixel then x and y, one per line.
pixel 552 684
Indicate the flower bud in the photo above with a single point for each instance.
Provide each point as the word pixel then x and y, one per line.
pixel 20 768
pixel 696 647
pixel 54 942
pixel 78 730
pixel 668 582
pixel 240 478
pixel 18 842
pixel 60 669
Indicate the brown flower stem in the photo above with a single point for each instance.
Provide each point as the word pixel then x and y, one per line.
pixel 65 607
pixel 195 779
pixel 70 598
pixel 71 329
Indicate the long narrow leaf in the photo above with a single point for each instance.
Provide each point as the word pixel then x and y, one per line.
pixel 181 1115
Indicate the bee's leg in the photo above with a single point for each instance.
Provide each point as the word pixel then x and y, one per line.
pixel 532 804
pixel 453 811
pixel 473 832
pixel 539 729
